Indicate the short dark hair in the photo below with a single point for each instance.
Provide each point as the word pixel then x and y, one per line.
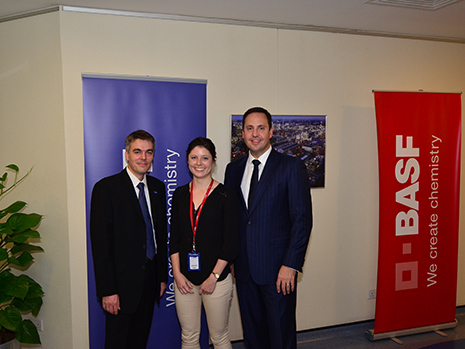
pixel 201 142
pixel 139 134
pixel 258 110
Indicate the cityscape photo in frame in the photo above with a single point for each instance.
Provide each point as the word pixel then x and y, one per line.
pixel 302 136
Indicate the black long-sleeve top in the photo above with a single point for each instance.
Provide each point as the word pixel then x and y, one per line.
pixel 217 234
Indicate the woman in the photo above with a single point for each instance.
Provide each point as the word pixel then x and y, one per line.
pixel 204 241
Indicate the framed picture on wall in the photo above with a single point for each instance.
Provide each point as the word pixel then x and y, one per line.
pixel 302 136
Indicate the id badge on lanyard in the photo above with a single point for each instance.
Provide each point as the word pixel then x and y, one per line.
pixel 193 257
pixel 193 261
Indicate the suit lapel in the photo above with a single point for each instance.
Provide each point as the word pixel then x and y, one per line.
pixel 238 180
pixel 128 190
pixel 153 199
pixel 265 178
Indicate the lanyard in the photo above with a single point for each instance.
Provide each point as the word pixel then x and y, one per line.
pixel 194 226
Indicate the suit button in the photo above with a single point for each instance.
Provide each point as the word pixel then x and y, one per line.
pixel 249 223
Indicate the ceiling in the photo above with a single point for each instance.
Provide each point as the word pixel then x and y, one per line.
pixel 352 16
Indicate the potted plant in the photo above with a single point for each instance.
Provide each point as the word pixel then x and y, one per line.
pixel 19 294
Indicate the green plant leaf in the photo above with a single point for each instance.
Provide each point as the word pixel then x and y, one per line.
pixel 3 254
pixel 4 298
pixel 6 277
pixel 35 290
pixel 32 302
pixel 22 260
pixel 32 305
pixel 22 237
pixel 5 229
pixel 13 285
pixel 10 318
pixel 18 293
pixel 28 333
pixel 13 167
pixel 20 222
pixel 21 305
pixel 18 247
pixel 36 308
pixel 15 207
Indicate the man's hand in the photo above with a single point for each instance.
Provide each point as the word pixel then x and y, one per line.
pixel 111 304
pixel 286 279
pixel 162 288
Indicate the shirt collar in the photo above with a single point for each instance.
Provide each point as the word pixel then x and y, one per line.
pixel 263 158
pixel 135 181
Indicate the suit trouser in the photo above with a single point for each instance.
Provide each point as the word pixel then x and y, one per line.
pixel 131 330
pixel 217 304
pixel 268 317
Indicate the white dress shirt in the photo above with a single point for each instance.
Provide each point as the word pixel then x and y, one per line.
pixel 247 177
pixel 135 182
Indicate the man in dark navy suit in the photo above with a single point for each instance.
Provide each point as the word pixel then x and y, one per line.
pixel 275 224
pixel 128 232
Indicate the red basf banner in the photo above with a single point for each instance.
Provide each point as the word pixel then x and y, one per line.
pixel 419 176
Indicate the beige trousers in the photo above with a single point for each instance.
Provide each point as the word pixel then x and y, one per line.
pixel 217 304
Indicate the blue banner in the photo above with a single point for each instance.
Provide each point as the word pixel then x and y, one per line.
pixel 174 112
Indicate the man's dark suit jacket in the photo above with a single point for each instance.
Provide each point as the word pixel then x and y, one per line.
pixel 118 237
pixel 275 231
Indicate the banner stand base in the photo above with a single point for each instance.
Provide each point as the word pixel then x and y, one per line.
pixel 394 334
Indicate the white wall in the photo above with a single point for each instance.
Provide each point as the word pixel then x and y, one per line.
pixel 32 134
pixel 288 72
pixel 335 74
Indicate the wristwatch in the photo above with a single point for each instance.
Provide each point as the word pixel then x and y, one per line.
pixel 216 275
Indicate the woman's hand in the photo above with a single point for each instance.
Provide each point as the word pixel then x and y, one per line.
pixel 184 286
pixel 209 285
